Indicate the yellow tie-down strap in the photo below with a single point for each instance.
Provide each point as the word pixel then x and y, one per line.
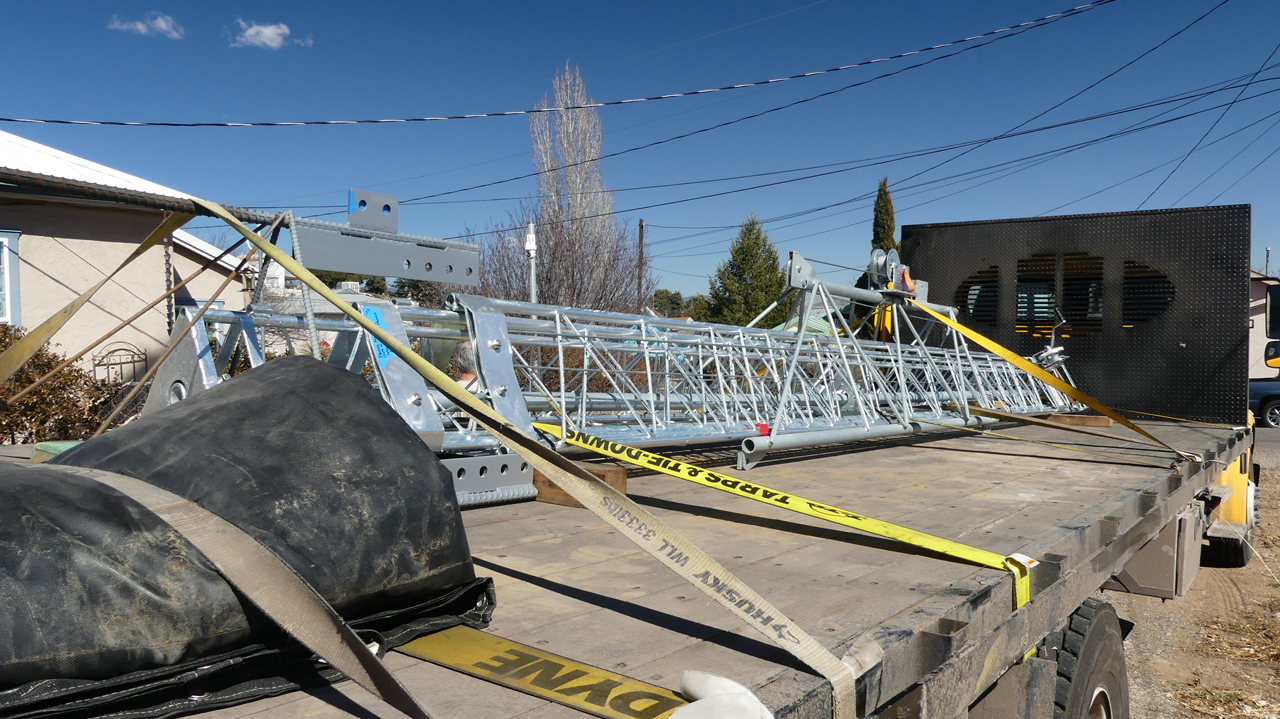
pixel 1032 369
pixel 544 675
pixel 628 518
pixel 1019 565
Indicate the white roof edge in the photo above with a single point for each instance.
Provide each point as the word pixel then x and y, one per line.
pixel 18 153
pixel 206 250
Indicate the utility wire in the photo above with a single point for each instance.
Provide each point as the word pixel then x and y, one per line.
pixel 1000 32
pixel 1008 168
pixel 832 172
pixel 1224 165
pixel 1096 83
pixel 1215 124
pixel 1029 26
pixel 1163 164
pixel 1250 172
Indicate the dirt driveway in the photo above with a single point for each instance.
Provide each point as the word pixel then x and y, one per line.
pixel 1216 651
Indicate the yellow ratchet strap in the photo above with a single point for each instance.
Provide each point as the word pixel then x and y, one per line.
pixel 542 674
pixel 1023 364
pixel 630 520
pixel 1018 564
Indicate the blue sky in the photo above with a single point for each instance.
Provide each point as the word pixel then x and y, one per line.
pixel 232 61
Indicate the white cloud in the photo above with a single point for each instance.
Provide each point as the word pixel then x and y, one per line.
pixel 267 37
pixel 153 23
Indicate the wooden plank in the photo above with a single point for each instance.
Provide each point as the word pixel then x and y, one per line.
pixel 613 475
pixel 1081 420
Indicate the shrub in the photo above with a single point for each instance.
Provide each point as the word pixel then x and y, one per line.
pixel 70 405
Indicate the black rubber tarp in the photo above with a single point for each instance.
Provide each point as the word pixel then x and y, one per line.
pixel 104 598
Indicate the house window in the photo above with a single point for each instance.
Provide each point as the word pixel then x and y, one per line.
pixel 9 295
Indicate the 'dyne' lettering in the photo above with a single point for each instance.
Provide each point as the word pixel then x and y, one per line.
pixel 502 665
pixel 548 674
pixel 596 694
pixel 625 703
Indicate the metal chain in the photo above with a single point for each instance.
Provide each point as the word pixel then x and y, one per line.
pixel 168 281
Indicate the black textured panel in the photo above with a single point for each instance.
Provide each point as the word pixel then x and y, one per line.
pixel 1156 302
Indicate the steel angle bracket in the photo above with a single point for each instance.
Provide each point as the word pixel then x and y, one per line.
pixel 402 387
pixel 241 330
pixel 494 367
pixel 188 371
pixel 342 248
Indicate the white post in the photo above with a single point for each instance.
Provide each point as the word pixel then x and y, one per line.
pixel 531 249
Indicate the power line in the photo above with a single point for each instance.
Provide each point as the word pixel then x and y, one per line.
pixel 870 162
pixel 1096 83
pixel 1015 33
pixel 832 172
pixel 1250 172
pixel 1215 124
pixel 1192 94
pixel 1163 164
pixel 1015 29
pixel 1030 161
pixel 1228 162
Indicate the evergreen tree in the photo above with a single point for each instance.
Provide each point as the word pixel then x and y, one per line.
pixel 882 225
pixel 697 307
pixel 331 279
pixel 668 303
pixel 374 285
pixel 748 281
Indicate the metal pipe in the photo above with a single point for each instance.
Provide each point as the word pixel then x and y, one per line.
pixel 330 325
pixel 797 440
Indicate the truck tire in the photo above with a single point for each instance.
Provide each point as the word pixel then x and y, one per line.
pixel 1270 413
pixel 1089 650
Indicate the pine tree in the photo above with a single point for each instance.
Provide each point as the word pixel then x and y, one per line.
pixel 748 281
pixel 883 226
pixel 668 303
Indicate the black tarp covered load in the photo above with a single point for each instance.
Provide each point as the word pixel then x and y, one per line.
pixel 107 607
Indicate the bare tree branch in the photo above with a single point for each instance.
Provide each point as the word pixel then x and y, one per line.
pixel 592 262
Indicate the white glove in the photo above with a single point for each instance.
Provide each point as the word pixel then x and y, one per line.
pixel 715 697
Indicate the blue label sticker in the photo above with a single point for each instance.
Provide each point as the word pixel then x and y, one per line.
pixel 379 349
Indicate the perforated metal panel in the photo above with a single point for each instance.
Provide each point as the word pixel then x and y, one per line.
pixel 1156 301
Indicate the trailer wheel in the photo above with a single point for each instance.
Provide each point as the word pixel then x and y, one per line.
pixel 1089 650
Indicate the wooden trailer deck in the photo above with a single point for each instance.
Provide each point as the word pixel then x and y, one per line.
pixel 569 584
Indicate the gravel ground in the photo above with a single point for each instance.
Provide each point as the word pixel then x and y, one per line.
pixel 1216 651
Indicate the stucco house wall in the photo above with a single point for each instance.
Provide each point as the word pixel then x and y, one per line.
pixel 64 249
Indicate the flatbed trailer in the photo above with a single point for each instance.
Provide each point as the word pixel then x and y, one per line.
pixel 942 638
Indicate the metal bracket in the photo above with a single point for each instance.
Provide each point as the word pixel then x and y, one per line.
pixel 492 346
pixel 402 387
pixel 188 371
